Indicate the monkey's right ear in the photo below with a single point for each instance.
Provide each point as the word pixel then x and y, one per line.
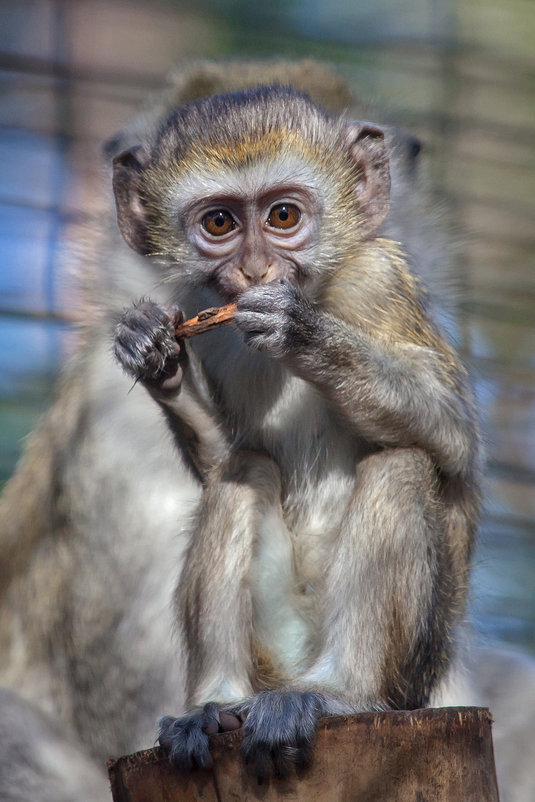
pixel 128 167
pixel 372 189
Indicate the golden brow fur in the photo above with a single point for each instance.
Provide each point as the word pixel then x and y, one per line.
pixel 328 162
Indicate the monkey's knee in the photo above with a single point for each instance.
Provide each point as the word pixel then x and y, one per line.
pixel 404 458
pixel 397 490
pixel 256 471
pixel 408 468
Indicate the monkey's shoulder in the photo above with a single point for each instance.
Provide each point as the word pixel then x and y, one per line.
pixel 376 291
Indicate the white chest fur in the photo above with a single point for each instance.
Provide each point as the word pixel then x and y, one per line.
pixel 286 417
pixel 279 623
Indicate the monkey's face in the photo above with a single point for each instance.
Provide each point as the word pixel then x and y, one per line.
pixel 231 227
pixel 246 204
pixel 251 226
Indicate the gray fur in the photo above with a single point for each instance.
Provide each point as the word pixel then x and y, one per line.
pixel 38 763
pixel 279 731
pixel 186 740
pixel 146 354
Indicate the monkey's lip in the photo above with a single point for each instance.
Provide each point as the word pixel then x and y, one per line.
pixel 230 296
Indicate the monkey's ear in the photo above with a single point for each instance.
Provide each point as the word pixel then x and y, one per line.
pixel 131 215
pixel 372 189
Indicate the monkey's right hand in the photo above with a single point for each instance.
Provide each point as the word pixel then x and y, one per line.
pixel 145 346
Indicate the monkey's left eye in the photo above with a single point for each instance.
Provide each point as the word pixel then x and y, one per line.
pixel 218 223
pixel 284 215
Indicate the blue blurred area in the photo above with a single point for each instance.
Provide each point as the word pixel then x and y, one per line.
pixel 26 236
pixel 32 339
pixel 31 164
pixel 33 351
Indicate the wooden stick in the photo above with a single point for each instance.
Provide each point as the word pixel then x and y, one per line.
pixel 206 320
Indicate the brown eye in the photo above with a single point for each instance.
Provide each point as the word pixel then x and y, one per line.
pixel 218 223
pixel 284 215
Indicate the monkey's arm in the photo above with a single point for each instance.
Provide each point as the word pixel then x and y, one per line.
pixel 146 348
pixel 397 384
pixel 394 394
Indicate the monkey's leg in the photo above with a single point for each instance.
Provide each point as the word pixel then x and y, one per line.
pixel 387 613
pixel 391 596
pixel 214 601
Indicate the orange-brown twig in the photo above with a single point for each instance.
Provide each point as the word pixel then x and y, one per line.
pixel 206 320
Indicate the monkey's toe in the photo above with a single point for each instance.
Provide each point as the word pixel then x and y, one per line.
pixel 279 732
pixel 186 739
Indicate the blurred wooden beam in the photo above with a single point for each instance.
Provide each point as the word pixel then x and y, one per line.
pixel 443 755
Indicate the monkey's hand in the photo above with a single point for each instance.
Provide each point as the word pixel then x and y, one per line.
pixel 275 317
pixel 145 346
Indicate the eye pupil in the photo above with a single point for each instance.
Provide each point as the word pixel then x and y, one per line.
pixel 218 223
pixel 284 215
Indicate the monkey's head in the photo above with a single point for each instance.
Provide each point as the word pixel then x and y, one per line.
pixel 249 187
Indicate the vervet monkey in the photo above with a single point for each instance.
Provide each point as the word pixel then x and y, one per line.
pixel 333 428
pixel 96 521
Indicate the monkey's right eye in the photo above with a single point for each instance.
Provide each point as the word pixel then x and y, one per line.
pixel 218 223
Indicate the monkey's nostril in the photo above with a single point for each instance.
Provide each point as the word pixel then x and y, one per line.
pixel 245 273
pixel 266 273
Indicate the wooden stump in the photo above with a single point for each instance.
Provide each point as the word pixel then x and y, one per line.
pixel 435 755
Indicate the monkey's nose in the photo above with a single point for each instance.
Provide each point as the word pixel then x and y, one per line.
pixel 255 273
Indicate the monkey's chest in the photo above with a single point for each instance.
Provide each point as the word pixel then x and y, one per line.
pixel 315 453
pixel 316 459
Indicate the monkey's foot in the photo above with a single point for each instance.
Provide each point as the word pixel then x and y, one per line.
pixel 279 731
pixel 185 739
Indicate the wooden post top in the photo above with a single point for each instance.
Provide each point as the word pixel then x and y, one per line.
pixel 432 755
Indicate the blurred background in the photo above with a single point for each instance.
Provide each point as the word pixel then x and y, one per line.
pixel 458 73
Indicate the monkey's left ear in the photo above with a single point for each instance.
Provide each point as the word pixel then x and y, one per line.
pixel 131 216
pixel 372 189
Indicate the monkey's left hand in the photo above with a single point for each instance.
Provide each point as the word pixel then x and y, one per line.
pixel 144 345
pixel 275 317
